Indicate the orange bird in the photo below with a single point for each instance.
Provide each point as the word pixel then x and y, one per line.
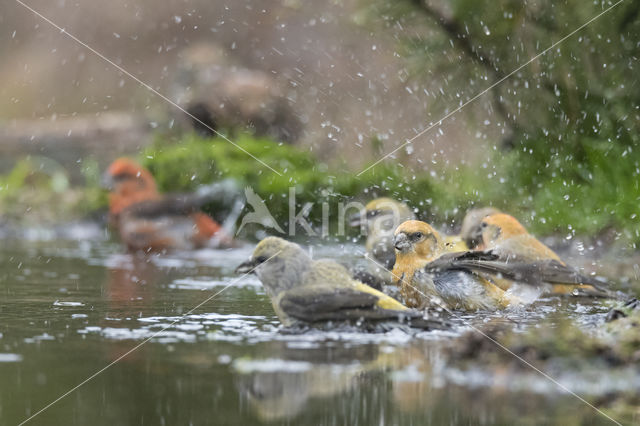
pixel 427 273
pixel 418 247
pixel 471 232
pixel 149 221
pixel 505 237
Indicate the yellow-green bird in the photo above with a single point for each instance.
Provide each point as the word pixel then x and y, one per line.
pixel 305 291
pixel 379 219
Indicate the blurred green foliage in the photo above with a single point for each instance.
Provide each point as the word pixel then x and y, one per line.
pixel 583 199
pixel 195 161
pixel 37 192
pixel 569 161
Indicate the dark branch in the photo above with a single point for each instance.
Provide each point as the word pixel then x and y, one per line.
pixel 456 32
pixel 459 37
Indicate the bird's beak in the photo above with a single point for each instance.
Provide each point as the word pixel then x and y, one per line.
pixel 401 242
pixel 248 266
pixel 107 181
pixel 356 219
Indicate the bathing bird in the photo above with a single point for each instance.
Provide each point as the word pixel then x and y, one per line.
pixel 417 246
pixel 507 238
pixel 380 217
pixel 471 280
pixel 312 292
pixel 471 230
pixel 149 221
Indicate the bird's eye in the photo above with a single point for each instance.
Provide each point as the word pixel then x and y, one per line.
pixel 372 213
pixel 416 236
pixel 484 224
pixel 261 259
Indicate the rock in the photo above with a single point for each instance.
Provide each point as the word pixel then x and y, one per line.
pixel 223 95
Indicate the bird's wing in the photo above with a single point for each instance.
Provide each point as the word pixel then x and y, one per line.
pixel 169 205
pixel 313 303
pixel 453 259
pixel 176 204
pixel 536 273
pixel 373 276
pixel 316 303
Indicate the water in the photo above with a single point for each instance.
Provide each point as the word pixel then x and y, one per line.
pixel 70 308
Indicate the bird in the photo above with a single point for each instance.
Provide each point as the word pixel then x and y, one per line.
pixel 379 219
pixel 417 246
pixel 149 221
pixel 306 292
pixel 471 232
pixel 507 238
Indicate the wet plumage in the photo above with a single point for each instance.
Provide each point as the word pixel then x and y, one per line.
pixel 417 246
pixel 505 237
pixel 306 291
pixel 380 218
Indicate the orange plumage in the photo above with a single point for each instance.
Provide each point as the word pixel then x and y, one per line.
pixel 503 235
pixel 427 246
pixel 417 245
pixel 149 221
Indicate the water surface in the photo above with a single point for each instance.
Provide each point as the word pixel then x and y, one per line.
pixel 70 308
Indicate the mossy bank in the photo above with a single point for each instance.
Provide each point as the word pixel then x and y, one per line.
pixel 552 193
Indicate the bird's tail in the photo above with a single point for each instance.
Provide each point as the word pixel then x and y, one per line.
pixel 584 290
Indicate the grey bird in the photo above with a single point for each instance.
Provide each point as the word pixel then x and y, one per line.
pixel 311 292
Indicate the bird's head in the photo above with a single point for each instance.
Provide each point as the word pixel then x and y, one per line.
pixel 128 183
pixel 382 215
pixel 471 231
pixel 278 263
pixel 417 238
pixel 498 227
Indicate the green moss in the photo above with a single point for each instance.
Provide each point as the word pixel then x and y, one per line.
pixel 552 192
pixel 556 341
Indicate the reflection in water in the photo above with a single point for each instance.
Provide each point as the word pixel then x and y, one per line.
pixel 129 291
pixel 280 388
pixel 130 284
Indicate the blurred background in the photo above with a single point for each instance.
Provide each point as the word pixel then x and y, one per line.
pixel 346 82
pixel 337 67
